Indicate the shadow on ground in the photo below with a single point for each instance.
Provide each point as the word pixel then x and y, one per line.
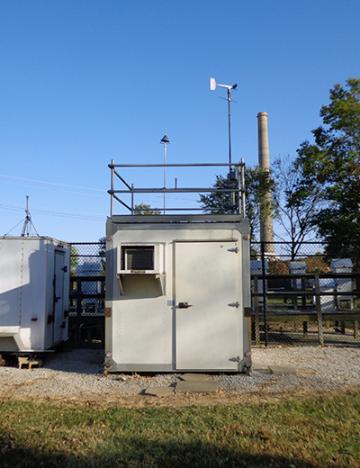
pixel 139 452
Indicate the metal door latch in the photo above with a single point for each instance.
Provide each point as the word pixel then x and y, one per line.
pixel 184 305
pixel 234 249
pixel 234 304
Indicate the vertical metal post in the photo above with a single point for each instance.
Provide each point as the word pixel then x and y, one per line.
pixel 78 311
pixel 238 179
pixel 318 310
pixel 111 187
pixel 264 295
pixel 242 168
pixel 132 199
pixel 229 121
pixel 256 304
pixel 165 158
pixel 165 141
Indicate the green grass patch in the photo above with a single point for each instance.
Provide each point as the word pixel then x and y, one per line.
pixel 309 432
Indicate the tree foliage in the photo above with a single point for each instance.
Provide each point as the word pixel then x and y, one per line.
pixel 74 259
pixel 257 183
pixel 331 167
pixel 145 209
pixel 294 216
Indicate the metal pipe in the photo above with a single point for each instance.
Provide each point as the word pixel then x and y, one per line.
pixel 243 200
pixel 112 187
pixel 120 201
pixel 177 165
pixel 264 292
pixel 175 190
pixel 165 158
pixel 132 198
pixel 122 180
pixel 229 121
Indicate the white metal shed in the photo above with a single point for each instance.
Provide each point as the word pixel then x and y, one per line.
pixel 177 292
pixel 34 291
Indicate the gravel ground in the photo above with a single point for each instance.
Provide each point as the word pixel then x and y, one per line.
pixel 78 374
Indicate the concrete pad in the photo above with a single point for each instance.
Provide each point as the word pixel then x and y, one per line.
pixel 196 387
pixel 280 370
pixel 159 391
pixel 261 371
pixel 196 377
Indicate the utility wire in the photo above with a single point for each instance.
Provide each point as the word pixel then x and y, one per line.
pixel 72 188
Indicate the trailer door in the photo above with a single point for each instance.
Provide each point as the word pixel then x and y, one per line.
pixel 59 295
pixel 208 305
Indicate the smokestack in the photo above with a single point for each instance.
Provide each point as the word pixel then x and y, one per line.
pixel 266 225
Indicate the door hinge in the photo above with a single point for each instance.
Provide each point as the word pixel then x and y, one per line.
pixel 234 249
pixel 234 304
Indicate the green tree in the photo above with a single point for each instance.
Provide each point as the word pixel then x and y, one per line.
pixel 331 167
pixel 74 259
pixel 102 252
pixel 145 209
pixel 295 217
pixel 256 184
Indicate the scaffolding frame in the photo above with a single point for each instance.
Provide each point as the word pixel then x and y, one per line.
pixel 236 172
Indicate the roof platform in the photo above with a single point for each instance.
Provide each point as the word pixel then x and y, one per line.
pixel 127 195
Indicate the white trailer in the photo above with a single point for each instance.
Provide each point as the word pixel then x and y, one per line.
pixel 177 293
pixel 34 291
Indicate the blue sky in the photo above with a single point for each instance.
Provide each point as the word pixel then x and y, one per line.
pixel 85 81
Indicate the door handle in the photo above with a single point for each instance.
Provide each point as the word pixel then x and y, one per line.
pixel 184 305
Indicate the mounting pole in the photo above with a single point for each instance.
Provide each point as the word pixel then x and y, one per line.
pixel 229 98
pixel 111 186
pixel 165 141
pixel 26 229
pixel 229 88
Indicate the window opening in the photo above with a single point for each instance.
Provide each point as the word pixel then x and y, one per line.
pixel 138 258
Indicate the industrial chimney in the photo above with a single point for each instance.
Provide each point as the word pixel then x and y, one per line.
pixel 266 224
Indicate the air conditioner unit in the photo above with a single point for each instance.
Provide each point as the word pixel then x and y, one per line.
pixel 140 260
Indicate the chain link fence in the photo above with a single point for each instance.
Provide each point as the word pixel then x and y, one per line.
pixel 87 294
pixel 300 295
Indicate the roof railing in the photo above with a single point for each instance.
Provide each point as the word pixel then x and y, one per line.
pixel 236 172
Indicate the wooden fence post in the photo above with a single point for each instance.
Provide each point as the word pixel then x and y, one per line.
pixel 356 329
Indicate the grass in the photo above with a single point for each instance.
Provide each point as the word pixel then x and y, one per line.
pixel 308 432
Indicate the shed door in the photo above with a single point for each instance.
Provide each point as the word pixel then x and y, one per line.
pixel 209 331
pixel 59 295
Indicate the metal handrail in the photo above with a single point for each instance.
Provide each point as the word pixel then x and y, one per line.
pixel 238 191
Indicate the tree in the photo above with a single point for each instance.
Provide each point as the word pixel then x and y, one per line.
pixel 331 167
pixel 145 209
pixel 256 184
pixel 102 252
pixel 74 259
pixel 295 215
